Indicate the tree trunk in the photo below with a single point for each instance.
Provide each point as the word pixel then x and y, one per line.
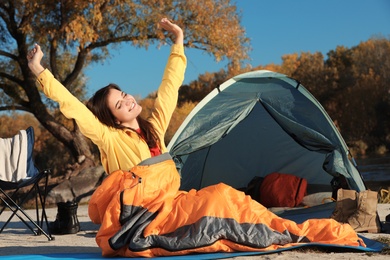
pixel 74 140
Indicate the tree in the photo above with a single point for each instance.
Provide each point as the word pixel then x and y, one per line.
pixel 367 107
pixel 352 85
pixel 74 34
pixel 198 89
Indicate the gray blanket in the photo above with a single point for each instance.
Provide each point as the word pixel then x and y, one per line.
pixel 13 157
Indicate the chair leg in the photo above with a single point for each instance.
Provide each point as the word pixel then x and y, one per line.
pixel 15 208
pixel 42 199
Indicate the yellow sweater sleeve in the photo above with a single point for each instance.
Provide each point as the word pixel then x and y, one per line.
pixel 168 92
pixel 71 107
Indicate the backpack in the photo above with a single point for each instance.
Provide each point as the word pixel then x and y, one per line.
pixel 277 190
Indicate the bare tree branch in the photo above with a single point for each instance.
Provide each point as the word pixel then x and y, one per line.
pixel 20 108
pixel 8 55
pixel 11 78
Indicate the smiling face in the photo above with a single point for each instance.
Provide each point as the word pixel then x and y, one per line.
pixel 124 108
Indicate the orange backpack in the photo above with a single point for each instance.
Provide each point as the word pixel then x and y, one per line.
pixel 282 190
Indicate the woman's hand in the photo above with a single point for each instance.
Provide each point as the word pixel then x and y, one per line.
pixel 34 58
pixel 174 29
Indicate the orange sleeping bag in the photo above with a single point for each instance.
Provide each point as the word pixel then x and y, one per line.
pixel 143 213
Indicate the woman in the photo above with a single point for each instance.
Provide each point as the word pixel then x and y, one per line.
pixel 119 134
pixel 139 205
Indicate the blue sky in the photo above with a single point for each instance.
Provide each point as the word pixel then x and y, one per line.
pixel 276 28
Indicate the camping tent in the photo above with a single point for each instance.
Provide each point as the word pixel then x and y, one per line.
pixel 258 123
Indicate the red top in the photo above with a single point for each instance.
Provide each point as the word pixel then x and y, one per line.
pixel 154 151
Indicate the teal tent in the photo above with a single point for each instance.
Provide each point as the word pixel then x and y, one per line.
pixel 258 123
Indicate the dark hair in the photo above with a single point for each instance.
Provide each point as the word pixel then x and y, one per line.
pixel 99 107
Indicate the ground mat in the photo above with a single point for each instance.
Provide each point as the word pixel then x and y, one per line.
pixel 321 211
pixel 372 246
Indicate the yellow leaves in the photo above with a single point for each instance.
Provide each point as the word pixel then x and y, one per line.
pixel 210 25
pixel 178 117
pixel 83 20
pixel 12 123
pixel 215 27
pixel 274 67
pixel 79 30
pixel 290 63
pixel 369 79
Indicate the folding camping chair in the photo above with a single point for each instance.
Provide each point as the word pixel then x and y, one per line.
pixel 17 171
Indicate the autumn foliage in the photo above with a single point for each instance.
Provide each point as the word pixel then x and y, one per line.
pixel 351 83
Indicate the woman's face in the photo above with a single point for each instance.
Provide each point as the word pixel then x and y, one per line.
pixel 124 108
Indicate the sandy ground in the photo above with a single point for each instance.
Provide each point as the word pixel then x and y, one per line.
pixel 17 240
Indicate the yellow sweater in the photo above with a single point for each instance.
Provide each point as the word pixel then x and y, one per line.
pixel 122 149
